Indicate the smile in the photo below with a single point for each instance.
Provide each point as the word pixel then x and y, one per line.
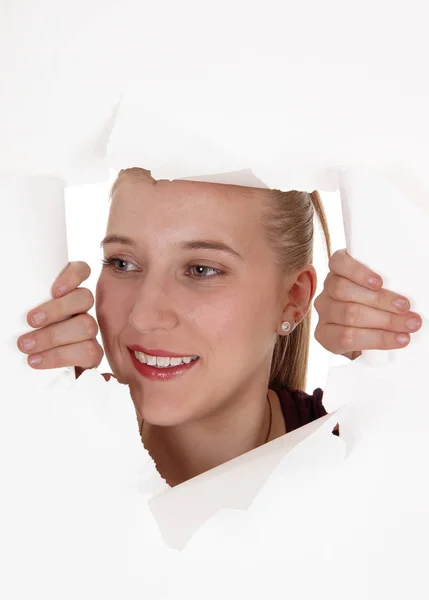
pixel 161 368
pixel 163 362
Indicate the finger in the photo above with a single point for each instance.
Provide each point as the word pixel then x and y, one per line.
pixel 351 314
pixel 70 278
pixel 77 329
pixel 341 263
pixel 87 355
pixel 76 302
pixel 340 339
pixel 344 290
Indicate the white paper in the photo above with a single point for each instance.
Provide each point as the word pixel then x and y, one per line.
pixel 234 484
pixel 286 93
pixel 56 104
pixel 292 112
pixel 388 232
pixel 34 242
pixel 74 482
pixel 384 231
pixel 345 516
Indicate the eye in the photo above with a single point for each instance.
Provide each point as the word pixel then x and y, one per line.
pixel 110 264
pixel 204 272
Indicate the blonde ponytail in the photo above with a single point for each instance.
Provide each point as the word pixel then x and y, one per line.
pixel 290 227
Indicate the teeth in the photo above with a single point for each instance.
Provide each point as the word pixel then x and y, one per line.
pixel 140 356
pixel 175 362
pixel 162 362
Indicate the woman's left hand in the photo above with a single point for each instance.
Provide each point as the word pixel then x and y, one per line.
pixel 357 314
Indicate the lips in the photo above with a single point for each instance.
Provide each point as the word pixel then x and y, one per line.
pixel 155 373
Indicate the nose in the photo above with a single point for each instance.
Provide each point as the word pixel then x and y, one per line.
pixel 154 307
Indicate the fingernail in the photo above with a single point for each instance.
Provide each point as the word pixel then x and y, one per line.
pixel 28 343
pixel 402 338
pixel 35 360
pixel 413 324
pixel 38 318
pixel 61 290
pixel 374 281
pixel 401 303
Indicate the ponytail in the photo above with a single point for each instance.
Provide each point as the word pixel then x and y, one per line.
pixel 294 248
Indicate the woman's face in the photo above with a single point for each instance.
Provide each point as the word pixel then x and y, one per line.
pixel 194 278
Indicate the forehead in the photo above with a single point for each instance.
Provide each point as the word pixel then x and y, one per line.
pixel 203 208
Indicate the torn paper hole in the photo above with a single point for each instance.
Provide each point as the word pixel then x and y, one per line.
pixel 384 517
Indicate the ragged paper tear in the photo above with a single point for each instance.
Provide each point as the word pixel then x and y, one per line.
pixel 74 482
pixel 290 111
pixel 33 228
pixel 384 231
pixel 279 93
pixel 374 398
pixel 233 485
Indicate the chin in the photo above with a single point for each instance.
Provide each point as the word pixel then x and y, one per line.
pixel 158 409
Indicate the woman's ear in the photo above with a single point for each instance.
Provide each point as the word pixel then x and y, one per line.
pixel 301 291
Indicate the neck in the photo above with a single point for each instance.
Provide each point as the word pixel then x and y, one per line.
pixel 184 451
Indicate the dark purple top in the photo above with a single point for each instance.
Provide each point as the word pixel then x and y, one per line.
pixel 300 408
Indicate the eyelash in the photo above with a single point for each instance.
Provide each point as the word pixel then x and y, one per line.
pixel 110 264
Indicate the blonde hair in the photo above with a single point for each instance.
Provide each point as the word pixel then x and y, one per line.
pixel 289 223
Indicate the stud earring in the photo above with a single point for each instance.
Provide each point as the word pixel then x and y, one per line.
pixel 286 326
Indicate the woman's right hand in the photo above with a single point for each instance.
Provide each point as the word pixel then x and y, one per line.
pixel 66 334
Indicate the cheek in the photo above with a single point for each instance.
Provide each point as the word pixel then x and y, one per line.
pixel 110 307
pixel 236 320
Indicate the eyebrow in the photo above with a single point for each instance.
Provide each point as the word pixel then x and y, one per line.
pixel 209 245
pixel 192 245
pixel 117 239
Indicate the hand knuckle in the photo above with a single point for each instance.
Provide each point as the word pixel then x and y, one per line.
pixel 348 339
pixel 90 325
pixel 87 297
pixel 49 337
pixel 386 340
pixel 328 278
pixel 327 283
pixel 333 261
pixel 93 353
pixel 317 335
pixel 90 349
pixel 336 259
pixel 83 269
pixel 392 322
pixel 383 340
pixel 337 287
pixel 352 314
pixel 317 303
pixel 380 299
pixel 53 357
pixel 61 307
pixel 323 335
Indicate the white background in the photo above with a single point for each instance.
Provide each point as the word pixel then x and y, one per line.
pixel 87 209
